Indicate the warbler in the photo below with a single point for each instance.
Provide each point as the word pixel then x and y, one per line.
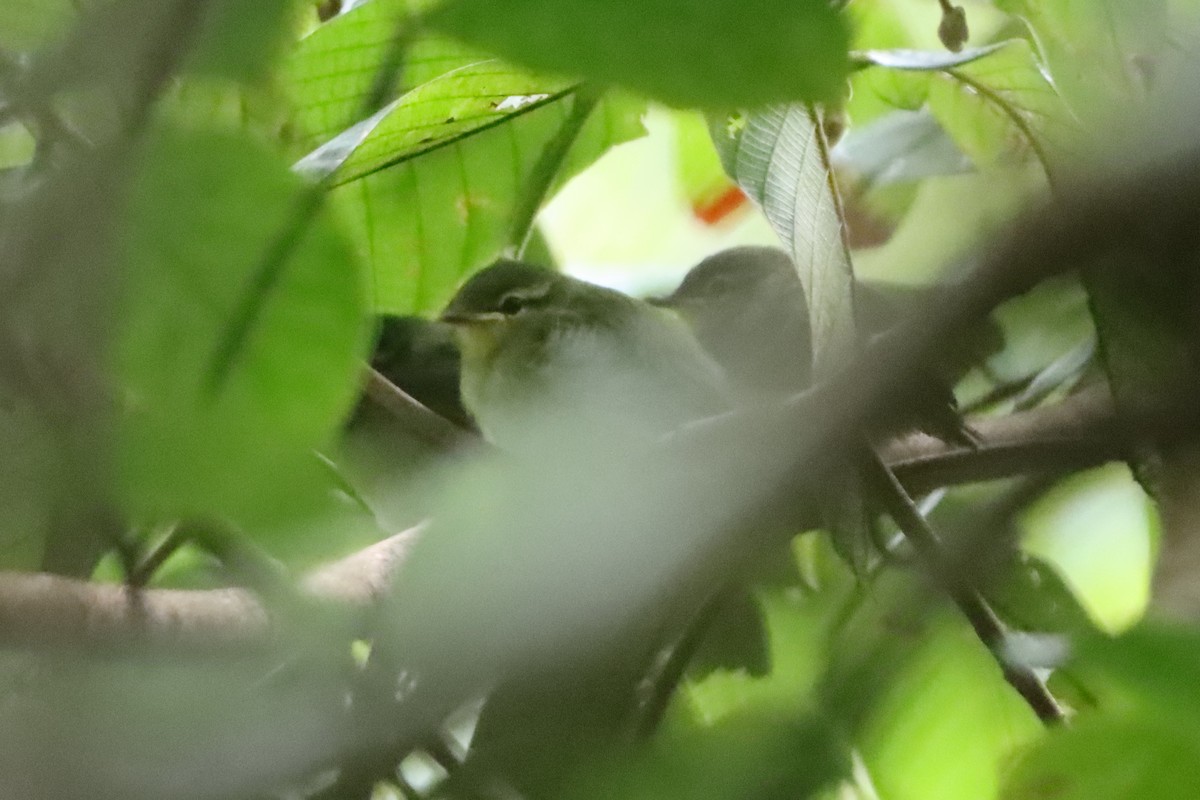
pixel 747 307
pixel 421 357
pixel 545 355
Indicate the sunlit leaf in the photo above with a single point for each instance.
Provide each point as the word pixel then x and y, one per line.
pixel 426 223
pixel 1107 508
pixel 732 54
pixel 185 447
pixel 1103 759
pixel 332 72
pixel 947 697
pixel 448 108
pixel 780 159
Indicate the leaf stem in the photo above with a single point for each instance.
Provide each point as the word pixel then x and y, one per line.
pixel 549 164
pixel 983 620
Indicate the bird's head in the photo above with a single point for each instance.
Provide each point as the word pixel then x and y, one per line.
pixel 512 296
pixel 732 276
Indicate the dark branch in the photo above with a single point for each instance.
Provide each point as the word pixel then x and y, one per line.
pixel 987 626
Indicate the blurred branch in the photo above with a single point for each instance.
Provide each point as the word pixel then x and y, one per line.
pixel 42 610
pixel 549 165
pixel 1080 432
pixel 47 611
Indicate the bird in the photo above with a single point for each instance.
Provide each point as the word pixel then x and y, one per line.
pixel 546 356
pixel 747 308
pixel 421 357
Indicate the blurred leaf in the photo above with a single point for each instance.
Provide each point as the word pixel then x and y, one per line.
pixel 16 146
pixel 733 54
pixel 761 755
pixel 799 626
pixel 123 43
pixel 1154 668
pixel 240 40
pixel 920 60
pixel 698 169
pixel 1033 597
pixel 947 721
pixel 1003 106
pixel 332 71
pixel 901 147
pixel 780 159
pixel 1098 530
pixel 29 478
pixel 190 256
pixel 28 23
pixel 1059 376
pixel 425 224
pixel 213 103
pixel 1106 759
pixel 1094 49
pixel 454 106
pixel 1040 326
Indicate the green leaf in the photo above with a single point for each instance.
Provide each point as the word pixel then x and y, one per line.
pixel 1155 668
pixel 427 223
pixel 947 722
pixel 1002 107
pixel 331 73
pixel 448 108
pixel 1105 759
pixel 1110 576
pixel 16 146
pixel 240 40
pixel 190 256
pixel 29 23
pixel 1093 47
pixel 760 755
pixel 733 53
pixel 781 160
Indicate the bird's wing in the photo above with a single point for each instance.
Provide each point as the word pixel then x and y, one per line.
pixel 676 363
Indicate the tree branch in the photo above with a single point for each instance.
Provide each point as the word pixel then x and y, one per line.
pixel 47 611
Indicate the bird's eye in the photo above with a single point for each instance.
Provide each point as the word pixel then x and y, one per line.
pixel 511 304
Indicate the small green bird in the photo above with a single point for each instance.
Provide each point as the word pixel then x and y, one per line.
pixel 546 356
pixel 747 308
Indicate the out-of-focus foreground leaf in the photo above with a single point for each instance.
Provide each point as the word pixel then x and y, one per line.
pixel 1145 742
pixel 208 210
pixel 332 72
pixel 729 54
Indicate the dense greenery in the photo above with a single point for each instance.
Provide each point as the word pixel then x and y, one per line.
pixel 206 204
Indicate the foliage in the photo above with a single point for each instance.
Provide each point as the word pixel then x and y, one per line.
pixel 204 207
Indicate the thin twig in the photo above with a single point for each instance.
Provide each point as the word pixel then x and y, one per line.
pixel 982 619
pixel 549 165
pixel 416 418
